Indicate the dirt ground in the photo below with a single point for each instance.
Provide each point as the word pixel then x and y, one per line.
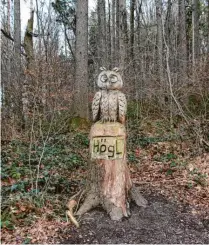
pixel 162 221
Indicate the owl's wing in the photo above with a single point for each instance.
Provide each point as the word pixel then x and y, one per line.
pixel 96 105
pixel 122 107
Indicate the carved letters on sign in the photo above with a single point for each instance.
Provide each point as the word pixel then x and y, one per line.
pixel 107 148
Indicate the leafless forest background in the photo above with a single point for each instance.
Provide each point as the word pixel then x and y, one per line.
pixel 48 74
pixel 161 47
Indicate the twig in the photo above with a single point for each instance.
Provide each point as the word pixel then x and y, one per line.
pixel 71 204
pixel 173 96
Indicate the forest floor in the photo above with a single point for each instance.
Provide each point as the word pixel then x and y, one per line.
pixel 172 174
pixel 162 222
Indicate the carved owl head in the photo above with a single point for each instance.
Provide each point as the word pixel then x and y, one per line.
pixel 110 79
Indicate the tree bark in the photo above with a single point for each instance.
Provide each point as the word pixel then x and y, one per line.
pixel 208 30
pixel 81 76
pixel 8 16
pixel 195 30
pixel 117 37
pixel 132 8
pixel 158 4
pixel 17 68
pixel 159 39
pixel 109 44
pixel 28 46
pixel 17 37
pixel 113 33
pixel 123 38
pixel 182 41
pixel 102 37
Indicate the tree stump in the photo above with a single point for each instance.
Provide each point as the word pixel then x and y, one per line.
pixel 110 182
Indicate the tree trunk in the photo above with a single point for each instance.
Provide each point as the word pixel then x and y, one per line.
pixel 132 8
pixel 123 39
pixel 113 33
pixel 17 38
pixel 8 15
pixel 182 41
pixel 109 55
pixel 117 38
pixel 38 25
pixel 168 23
pixel 195 30
pixel 158 4
pixel 17 71
pixel 28 46
pixel 208 31
pixel 102 42
pixel 110 183
pixel 159 38
pixel 81 76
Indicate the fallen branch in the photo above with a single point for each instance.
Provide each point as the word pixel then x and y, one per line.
pixel 71 204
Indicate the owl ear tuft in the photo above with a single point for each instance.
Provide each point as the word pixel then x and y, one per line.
pixel 102 68
pixel 116 69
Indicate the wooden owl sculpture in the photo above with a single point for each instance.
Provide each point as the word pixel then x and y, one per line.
pixel 109 104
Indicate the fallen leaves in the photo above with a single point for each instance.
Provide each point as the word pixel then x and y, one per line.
pixel 40 232
pixel 166 168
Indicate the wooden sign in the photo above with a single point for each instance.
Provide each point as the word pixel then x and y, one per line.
pixel 107 147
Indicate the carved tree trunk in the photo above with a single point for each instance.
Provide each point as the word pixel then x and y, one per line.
pixel 110 182
pixel 110 176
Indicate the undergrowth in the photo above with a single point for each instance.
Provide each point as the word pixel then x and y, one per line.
pixel 39 176
pixel 25 189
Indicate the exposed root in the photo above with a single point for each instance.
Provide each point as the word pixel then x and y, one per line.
pixel 91 201
pixel 71 204
pixel 137 197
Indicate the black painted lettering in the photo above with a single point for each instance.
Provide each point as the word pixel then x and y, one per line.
pixel 103 148
pixel 111 149
pixel 96 146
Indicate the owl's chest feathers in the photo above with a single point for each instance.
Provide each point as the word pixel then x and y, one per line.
pixel 109 105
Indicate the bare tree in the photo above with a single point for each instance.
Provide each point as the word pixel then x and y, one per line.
pixel 28 46
pixel 8 15
pixel 117 36
pixel 195 30
pixel 182 39
pixel 208 28
pixel 81 76
pixel 17 36
pixel 109 44
pixel 132 8
pixel 123 32
pixel 158 4
pixel 113 31
pixel 102 35
pixel 159 37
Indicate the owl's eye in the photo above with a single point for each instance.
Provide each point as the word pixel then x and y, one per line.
pixel 104 78
pixel 113 79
